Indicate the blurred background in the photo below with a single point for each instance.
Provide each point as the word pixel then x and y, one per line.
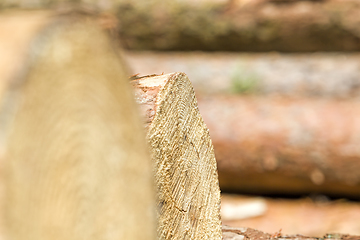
pixel 278 85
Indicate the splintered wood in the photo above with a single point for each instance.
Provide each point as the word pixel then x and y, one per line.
pixel 185 166
pixel 76 164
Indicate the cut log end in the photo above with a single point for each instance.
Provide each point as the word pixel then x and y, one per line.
pixel 76 165
pixel 186 170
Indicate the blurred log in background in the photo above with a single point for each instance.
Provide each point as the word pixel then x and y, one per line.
pixel 283 145
pixel 228 25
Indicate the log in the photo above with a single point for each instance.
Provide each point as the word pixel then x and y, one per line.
pixel 241 25
pixel 277 145
pixel 76 164
pixel 231 233
pixel 233 25
pixel 185 165
pixel 292 75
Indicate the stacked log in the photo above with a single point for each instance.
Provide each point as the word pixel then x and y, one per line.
pixel 281 145
pixel 244 233
pixel 76 164
pixel 234 25
pixel 240 25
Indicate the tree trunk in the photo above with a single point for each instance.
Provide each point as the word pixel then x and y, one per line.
pixel 75 165
pixel 229 25
pixel 186 171
pixel 285 146
pixel 241 25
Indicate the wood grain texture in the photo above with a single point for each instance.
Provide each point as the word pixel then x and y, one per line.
pixel 185 165
pixel 76 161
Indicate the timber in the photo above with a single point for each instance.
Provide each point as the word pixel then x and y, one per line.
pixel 229 25
pixel 244 233
pixel 282 145
pixel 185 165
pixel 75 163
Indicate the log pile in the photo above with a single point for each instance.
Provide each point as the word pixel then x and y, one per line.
pixel 67 104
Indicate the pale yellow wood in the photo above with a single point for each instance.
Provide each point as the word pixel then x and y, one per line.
pixel 76 161
pixel 185 166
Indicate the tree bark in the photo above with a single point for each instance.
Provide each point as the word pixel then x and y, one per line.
pixel 241 25
pixel 186 171
pixel 76 164
pixel 281 145
pixel 233 25
pixel 230 233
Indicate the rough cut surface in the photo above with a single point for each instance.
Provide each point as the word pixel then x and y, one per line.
pixel 76 165
pixel 186 172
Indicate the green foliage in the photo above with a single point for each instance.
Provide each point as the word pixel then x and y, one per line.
pixel 244 82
